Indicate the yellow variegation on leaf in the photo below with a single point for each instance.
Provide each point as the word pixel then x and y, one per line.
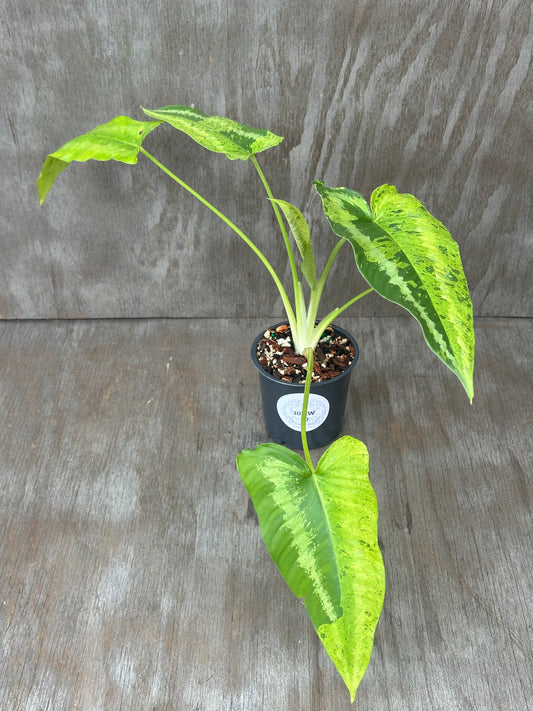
pixel 217 133
pixel 321 529
pixel 410 258
pixel 119 139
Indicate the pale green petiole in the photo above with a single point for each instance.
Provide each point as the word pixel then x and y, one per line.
pixel 290 253
pixel 299 299
pixel 308 332
pixel 233 226
pixel 310 362
pixel 327 320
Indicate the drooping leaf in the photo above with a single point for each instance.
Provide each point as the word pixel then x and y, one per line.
pixel 120 139
pixel 410 258
pixel 302 237
pixel 321 530
pixel 216 133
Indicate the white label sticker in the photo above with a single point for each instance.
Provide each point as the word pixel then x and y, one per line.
pixel 290 410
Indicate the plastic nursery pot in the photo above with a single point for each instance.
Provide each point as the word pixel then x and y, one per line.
pixel 282 403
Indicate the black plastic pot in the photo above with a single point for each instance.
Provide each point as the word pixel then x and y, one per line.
pixel 282 404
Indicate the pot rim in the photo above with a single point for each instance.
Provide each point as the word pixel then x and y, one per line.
pixel 314 385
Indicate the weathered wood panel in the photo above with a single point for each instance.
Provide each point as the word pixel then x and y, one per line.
pixel 433 97
pixel 132 574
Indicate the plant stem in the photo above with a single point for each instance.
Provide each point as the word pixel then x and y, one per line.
pixel 327 320
pixel 310 361
pixel 330 261
pixel 233 226
pixel 290 253
pixel 316 293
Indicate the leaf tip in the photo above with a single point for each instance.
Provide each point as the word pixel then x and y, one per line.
pixel 41 193
pixel 43 183
pixel 468 384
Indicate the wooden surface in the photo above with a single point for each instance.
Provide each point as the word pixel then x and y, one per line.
pixel 432 97
pixel 132 572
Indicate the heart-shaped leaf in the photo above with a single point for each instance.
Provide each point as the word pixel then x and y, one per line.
pixel 321 530
pixel 119 139
pixel 409 257
pixel 216 133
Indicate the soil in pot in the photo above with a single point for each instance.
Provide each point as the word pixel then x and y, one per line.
pixel 276 355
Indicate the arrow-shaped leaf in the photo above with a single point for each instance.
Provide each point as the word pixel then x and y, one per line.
pixel 321 530
pixel 302 237
pixel 216 133
pixel 119 139
pixel 409 257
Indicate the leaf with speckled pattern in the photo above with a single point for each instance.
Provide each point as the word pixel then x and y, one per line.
pixel 217 133
pixel 409 257
pixel 321 530
pixel 120 139
pixel 302 237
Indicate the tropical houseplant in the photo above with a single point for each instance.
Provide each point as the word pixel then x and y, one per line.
pixel 319 523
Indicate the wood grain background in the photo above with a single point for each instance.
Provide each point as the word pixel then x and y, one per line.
pixel 433 97
pixel 132 572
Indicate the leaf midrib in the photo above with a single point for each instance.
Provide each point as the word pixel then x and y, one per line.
pixel 314 479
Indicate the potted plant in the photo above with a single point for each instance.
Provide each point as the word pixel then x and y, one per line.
pixel 319 522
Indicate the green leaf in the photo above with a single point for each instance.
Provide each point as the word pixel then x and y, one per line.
pixel 302 237
pixel 119 139
pixel 321 530
pixel 216 133
pixel 409 257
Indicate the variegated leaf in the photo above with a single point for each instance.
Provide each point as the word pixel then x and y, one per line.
pixel 216 133
pixel 321 530
pixel 119 139
pixel 302 237
pixel 409 257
